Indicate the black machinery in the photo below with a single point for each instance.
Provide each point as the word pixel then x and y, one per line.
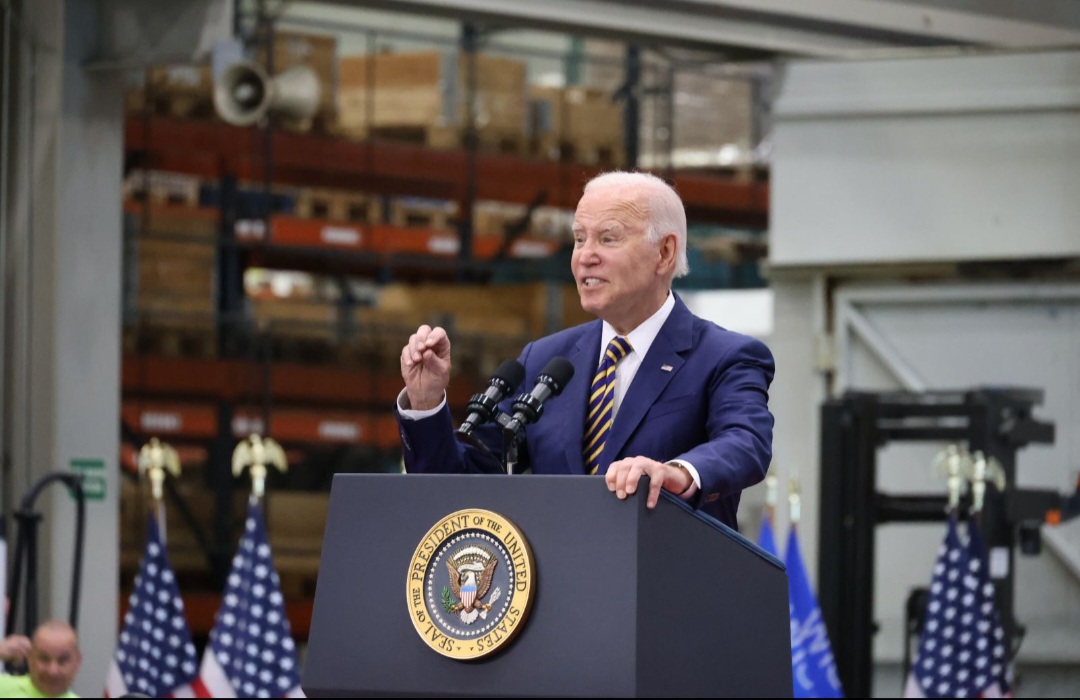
pixel 26 550
pixel 996 421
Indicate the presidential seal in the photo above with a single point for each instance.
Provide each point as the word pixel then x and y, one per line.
pixel 470 584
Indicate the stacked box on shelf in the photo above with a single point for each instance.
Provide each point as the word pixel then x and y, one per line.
pixel 175 222
pixel 292 305
pixel 338 205
pixel 487 323
pixel 295 521
pixel 173 295
pixel 175 276
pixel 547 230
pixel 418 226
pixel 494 219
pixel 724 258
pixel 425 97
pixel 716 125
pixel 296 318
pixel 159 187
pixel 168 206
pixel 177 90
pixel 577 124
pixel 251 199
pixel 185 551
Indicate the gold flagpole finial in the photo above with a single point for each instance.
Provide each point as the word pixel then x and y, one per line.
pixel 255 453
pixel 954 462
pixel 157 457
pixel 981 470
pixel 771 486
pixel 794 500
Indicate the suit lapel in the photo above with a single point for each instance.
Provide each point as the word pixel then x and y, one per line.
pixel 675 337
pixel 585 357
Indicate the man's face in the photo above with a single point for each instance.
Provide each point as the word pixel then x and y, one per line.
pixel 621 277
pixel 54 661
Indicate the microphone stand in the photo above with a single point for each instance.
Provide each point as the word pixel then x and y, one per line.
pixel 511 442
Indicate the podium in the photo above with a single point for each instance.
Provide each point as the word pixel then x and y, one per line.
pixel 627 602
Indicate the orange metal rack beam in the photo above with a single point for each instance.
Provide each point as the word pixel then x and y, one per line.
pixel 211 149
pixel 149 377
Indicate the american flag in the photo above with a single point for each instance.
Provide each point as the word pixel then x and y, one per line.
pixel 961 651
pixel 992 669
pixel 155 655
pixel 251 651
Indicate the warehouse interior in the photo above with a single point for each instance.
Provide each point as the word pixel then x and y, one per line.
pixel 877 189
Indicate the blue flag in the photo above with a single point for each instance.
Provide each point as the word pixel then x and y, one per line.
pixel 766 539
pixel 812 665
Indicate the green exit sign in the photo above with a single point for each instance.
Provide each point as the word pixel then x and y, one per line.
pixel 93 471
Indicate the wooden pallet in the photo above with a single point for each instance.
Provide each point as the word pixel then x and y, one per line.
pixel 488 140
pixel 338 205
pixel 419 212
pixel 182 106
pixel 162 188
pixel 606 155
pixel 295 524
pixel 171 337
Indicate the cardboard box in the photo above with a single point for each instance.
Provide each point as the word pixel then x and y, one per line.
pixel 430 90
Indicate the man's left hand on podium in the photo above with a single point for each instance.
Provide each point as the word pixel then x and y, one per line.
pixel 623 475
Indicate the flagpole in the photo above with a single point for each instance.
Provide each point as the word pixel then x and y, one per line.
pixel 766 538
pixel 794 500
pixel 771 483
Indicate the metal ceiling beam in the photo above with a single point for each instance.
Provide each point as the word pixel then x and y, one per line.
pixel 939 24
pixel 754 28
pixel 671 23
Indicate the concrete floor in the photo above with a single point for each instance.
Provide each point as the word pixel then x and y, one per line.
pixel 1032 681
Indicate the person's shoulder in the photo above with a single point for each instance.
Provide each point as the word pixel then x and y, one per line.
pixel 712 331
pixel 14 686
pixel 728 345
pixel 560 342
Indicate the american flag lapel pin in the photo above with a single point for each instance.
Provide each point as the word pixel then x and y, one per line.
pixel 666 368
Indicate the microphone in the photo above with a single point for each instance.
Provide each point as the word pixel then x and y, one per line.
pixel 482 406
pixel 551 381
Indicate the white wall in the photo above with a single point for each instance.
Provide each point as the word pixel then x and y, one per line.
pixel 927 159
pixel 931 160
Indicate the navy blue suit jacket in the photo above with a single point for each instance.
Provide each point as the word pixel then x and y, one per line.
pixel 700 395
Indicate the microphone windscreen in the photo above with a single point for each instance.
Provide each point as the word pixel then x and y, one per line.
pixel 560 370
pixel 510 372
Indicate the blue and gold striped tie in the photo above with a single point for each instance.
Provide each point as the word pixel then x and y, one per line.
pixel 602 403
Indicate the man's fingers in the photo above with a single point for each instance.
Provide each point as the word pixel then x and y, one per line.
pixel 426 339
pixel 656 483
pixel 633 474
pixel 623 477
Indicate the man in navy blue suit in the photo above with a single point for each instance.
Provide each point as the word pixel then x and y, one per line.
pixel 686 402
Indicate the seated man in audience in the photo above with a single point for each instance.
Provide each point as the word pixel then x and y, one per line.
pixel 53 659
